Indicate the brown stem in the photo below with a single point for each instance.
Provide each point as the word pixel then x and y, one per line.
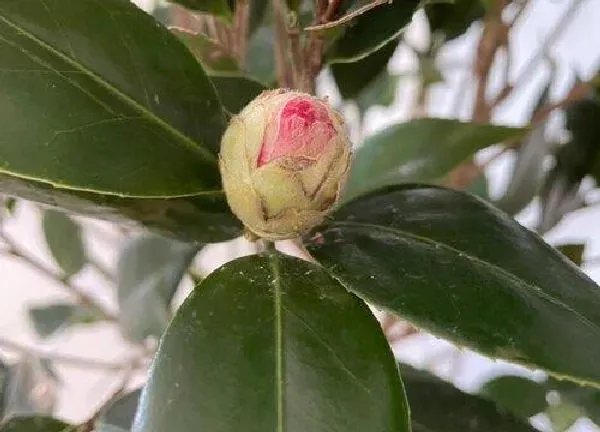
pixel 241 23
pixel 282 64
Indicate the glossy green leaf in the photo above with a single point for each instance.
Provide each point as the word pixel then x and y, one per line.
pixel 98 97
pixel 211 55
pixel 352 78
pixel 35 424
pixel 372 31
pixel 461 269
pixel 24 377
pixel 49 319
pixel 121 412
pixel 236 91
pixel 422 150
pixel 438 406
pixel 219 8
pixel 521 396
pixel 149 271
pixel 573 251
pixel 453 19
pixel 63 238
pixel 204 217
pixel 287 347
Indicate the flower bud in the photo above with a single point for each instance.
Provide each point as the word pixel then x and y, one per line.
pixel 283 161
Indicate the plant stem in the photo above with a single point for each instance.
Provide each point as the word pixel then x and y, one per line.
pixel 63 358
pixel 12 249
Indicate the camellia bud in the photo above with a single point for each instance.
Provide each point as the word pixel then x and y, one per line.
pixel 283 161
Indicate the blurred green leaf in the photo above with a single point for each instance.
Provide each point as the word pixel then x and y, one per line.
pixel 10 205
pixel 214 59
pixel 4 375
pixel 121 412
pixel 236 91
pixel 218 8
pixel 521 396
pixel 260 62
pixel 458 267
pixel 35 424
pixel 453 19
pixel 109 428
pixel 480 187
pixel 24 377
pixel 573 251
pixel 49 319
pixel 528 174
pixel 372 30
pixel 286 346
pixel 421 150
pixel 574 161
pixel 381 92
pixel 149 271
pixel 258 10
pixel 563 416
pixel 64 240
pixel 353 78
pixel 438 406
pixel 527 177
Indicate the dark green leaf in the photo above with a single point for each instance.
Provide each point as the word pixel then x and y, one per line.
pixel 260 62
pixel 422 150
pixel 586 398
pixel 204 217
pixel 438 406
pixel 286 346
pixel 456 266
pixel 521 396
pixel 352 78
pixel 35 424
pixel 236 91
pixel 573 251
pixel 219 8
pixel 453 19
pixel 49 319
pixel 372 30
pixel 211 55
pixel 98 97
pixel 20 398
pixel 63 238
pixel 574 161
pixel 149 272
pixel 121 412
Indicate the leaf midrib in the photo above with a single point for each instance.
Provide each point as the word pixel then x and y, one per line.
pixel 278 332
pixel 151 116
pixel 536 290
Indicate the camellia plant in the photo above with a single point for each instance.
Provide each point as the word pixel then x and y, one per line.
pixel 204 123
